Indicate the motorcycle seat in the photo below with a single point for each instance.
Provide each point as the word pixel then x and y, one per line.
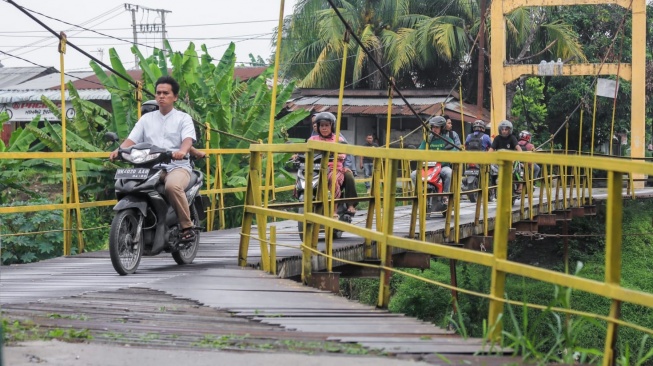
pixel 194 176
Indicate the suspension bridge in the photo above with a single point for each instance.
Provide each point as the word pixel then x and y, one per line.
pixel 244 273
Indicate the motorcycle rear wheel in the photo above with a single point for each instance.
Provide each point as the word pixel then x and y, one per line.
pixel 124 252
pixel 472 196
pixel 187 255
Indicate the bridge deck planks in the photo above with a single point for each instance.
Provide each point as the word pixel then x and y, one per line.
pixel 256 303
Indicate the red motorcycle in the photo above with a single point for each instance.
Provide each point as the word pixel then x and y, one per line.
pixel 434 184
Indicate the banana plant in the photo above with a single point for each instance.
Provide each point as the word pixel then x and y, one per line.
pixel 210 93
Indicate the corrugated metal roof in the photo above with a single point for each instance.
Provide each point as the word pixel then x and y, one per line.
pixel 376 106
pixel 13 96
pixel 18 75
pixel 48 81
pixel 369 101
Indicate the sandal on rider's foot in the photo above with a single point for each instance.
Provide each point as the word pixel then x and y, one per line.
pixel 187 235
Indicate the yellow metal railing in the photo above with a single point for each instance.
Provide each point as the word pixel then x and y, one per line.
pixel 571 170
pixel 214 189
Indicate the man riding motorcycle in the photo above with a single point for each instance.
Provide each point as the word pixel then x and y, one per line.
pixel 437 141
pixel 478 140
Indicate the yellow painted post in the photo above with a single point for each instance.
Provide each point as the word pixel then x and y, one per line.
pixel 139 98
pixel 310 229
pixel 273 250
pixel 486 198
pixel 390 193
pixel 498 52
pixel 590 183
pixel 613 238
pixel 210 214
pixel 389 116
pixel 638 87
pixel 332 203
pixel 78 210
pixel 423 197
pixel 269 180
pixel 253 198
pixel 567 182
pixel 456 201
pixel 500 244
pixel 543 188
pixel 67 242
pixel 219 181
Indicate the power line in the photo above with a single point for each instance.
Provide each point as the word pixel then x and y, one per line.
pixel 70 29
pixel 45 67
pixel 131 82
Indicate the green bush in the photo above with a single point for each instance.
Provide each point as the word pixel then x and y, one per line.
pixel 33 247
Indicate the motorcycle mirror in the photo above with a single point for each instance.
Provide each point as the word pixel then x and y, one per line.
pixel 111 137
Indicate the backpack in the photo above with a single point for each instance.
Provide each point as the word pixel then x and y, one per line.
pixel 475 143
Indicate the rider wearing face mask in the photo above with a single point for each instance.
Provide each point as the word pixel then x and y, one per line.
pixel 344 177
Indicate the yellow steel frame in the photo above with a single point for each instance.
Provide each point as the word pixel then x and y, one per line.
pixel 315 215
pixel 503 74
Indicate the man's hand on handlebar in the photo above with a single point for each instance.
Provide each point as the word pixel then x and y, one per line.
pixel 114 155
pixel 178 155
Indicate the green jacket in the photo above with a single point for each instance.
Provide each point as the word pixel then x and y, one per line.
pixel 436 144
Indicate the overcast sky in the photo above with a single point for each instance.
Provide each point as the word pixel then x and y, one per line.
pixel 248 23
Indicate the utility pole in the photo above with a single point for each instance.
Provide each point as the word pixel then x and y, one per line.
pixel 146 27
pixel 133 9
pixel 481 64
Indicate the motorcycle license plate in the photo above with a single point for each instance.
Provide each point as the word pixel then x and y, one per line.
pixel 471 172
pixel 132 173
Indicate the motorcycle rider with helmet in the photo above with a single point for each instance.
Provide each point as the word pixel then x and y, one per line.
pixel 525 144
pixel 437 141
pixel 478 128
pixel 344 176
pixel 505 139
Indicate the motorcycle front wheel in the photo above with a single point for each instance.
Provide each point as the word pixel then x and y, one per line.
pixel 188 253
pixel 125 248
pixel 472 196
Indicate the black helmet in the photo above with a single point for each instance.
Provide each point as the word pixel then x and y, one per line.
pixel 149 106
pixel 478 125
pixel 438 121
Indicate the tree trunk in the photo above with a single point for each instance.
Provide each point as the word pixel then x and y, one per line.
pixel 511 90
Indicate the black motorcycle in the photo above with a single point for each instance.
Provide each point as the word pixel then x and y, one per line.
pixel 145 223
pixel 471 180
pixel 300 188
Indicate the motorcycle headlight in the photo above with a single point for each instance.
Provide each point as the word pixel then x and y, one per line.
pixel 140 156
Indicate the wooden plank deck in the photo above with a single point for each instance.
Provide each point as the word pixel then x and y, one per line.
pixel 182 304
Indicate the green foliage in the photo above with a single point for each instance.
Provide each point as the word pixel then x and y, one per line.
pixel 17 331
pixel 541 335
pixel 31 248
pixel 255 61
pixel 529 111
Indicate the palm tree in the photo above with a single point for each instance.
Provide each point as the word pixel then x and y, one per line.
pixel 401 36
